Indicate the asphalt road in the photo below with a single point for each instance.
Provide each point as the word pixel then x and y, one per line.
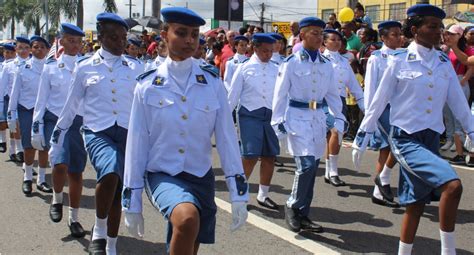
pixel 352 223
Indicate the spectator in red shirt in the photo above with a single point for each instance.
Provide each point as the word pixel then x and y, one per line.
pixel 228 50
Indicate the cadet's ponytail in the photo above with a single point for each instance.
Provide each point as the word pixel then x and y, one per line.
pixel 416 21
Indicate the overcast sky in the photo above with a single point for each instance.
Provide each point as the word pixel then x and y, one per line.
pixel 279 8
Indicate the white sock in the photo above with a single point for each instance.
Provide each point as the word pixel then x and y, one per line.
pixel 28 175
pixel 262 192
pixel 385 175
pixel 377 193
pixel 41 175
pixel 333 171
pixel 111 243
pixel 448 243
pixel 3 136
pixel 73 215
pixel 328 165
pixel 19 146
pixel 57 198
pixel 404 248
pixel 100 228
pixel 12 146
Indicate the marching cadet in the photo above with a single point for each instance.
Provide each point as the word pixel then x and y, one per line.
pixel 390 34
pixel 162 50
pixel 418 82
pixel 22 102
pixel 105 83
pixel 9 56
pixel 132 50
pixel 22 49
pixel 52 94
pixel 176 110
pixel 200 52
pixel 276 56
pixel 304 80
pixel 344 78
pixel 252 89
pixel 233 62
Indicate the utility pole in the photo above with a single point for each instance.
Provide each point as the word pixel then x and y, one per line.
pixel 261 15
pixel 155 9
pixel 229 12
pixel 46 17
pixel 130 9
pixel 143 8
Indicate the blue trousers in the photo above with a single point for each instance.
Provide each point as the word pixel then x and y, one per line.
pixel 303 184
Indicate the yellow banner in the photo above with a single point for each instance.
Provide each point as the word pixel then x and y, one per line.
pixel 282 27
pixel 89 35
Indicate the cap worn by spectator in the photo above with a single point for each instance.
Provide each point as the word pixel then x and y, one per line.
pixel 456 29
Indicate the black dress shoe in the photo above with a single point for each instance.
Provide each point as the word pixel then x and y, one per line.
pixel 3 147
pixel 44 187
pixel 309 225
pixel 385 202
pixel 13 157
pixel 335 181
pixel 268 203
pixel 384 189
pixel 97 247
pixel 76 230
pixel 278 163
pixel 56 212
pixel 292 219
pixel 27 187
pixel 20 157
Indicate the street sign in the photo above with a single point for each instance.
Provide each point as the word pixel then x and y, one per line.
pixel 282 27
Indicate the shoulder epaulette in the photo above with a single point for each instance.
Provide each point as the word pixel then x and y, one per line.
pixel 325 58
pixel 210 69
pixel 130 57
pixel 145 74
pixel 51 60
pixel 443 54
pixel 245 60
pixel 399 51
pixel 230 58
pixel 9 60
pixel 289 57
pixel 274 62
pixel 80 59
pixel 376 53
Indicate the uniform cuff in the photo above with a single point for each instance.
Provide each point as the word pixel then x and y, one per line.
pixel 132 200
pixel 238 188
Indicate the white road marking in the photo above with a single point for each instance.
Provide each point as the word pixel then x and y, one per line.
pixel 278 231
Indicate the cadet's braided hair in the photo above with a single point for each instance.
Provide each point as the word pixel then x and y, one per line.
pixel 416 21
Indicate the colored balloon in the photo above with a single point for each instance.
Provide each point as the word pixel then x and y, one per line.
pixel 346 14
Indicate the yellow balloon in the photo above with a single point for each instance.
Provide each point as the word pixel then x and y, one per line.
pixel 346 14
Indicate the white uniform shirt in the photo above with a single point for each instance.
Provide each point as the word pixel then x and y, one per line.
pixel 344 76
pixel 277 58
pixel 376 66
pixel 253 84
pixel 417 91
pixel 10 67
pixel 105 83
pixel 230 66
pixel 26 84
pixel 154 63
pixel 303 80
pixel 171 128
pixel 54 86
pixel 136 64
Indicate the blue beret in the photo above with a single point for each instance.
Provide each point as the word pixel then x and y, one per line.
pixel 263 38
pixel 332 31
pixel 202 41
pixel 241 38
pixel 70 29
pixel 277 36
pixel 112 18
pixel 37 38
pixel 312 21
pixel 183 16
pixel 134 42
pixel 389 24
pixel 9 46
pixel 426 10
pixel 22 39
pixel 158 38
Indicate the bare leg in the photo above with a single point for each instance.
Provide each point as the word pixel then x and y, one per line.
pixel 75 189
pixel 59 178
pixel 249 164
pixel 185 222
pixel 266 170
pixel 43 159
pixel 448 205
pixel 383 156
pixel 29 156
pixel 105 192
pixel 410 222
pixel 114 215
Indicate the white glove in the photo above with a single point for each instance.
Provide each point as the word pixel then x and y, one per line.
pixel 135 224
pixel 56 145
pixel 239 215
pixel 280 130
pixel 11 121
pixel 37 136
pixel 359 146
pixel 357 158
pixel 2 116
pixel 468 144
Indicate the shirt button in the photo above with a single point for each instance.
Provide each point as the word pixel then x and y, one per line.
pixel 181 150
pixel 114 100
pixel 113 91
pixel 183 98
pixel 431 85
pixel 314 81
pixel 161 102
pixel 430 98
pixel 430 72
pixel 182 134
pixel 110 70
pixel 113 80
pixel 340 81
pixel 314 72
pixel 263 97
pixel 428 111
pixel 314 91
pixel 184 117
pixel 115 113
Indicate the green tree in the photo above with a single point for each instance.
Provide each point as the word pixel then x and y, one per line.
pixel 14 11
pixel 110 6
pixel 56 10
